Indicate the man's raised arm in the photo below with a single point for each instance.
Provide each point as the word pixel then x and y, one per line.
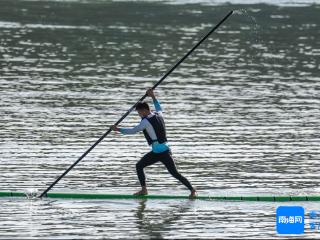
pixel 156 103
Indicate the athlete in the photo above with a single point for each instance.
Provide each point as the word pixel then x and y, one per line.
pixel 153 127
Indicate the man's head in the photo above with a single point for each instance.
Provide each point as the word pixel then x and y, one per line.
pixel 143 109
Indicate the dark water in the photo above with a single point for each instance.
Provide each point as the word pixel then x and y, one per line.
pixel 242 114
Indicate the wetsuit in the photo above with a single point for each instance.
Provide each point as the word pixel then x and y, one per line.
pixel 154 131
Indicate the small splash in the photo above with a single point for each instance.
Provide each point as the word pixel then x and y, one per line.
pixel 243 11
pixel 252 30
pixel 240 11
pixel 31 193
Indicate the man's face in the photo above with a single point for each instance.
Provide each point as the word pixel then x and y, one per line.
pixel 143 112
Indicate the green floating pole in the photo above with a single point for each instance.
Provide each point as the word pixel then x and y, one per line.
pixel 164 197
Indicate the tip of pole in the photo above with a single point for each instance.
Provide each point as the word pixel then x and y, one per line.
pixel 42 195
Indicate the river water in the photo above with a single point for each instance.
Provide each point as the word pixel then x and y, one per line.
pixel 242 114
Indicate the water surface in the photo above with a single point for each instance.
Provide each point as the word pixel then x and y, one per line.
pixel 242 114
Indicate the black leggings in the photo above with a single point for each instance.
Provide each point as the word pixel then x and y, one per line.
pixel 166 158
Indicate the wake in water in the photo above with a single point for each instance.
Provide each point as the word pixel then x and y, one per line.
pixel 31 193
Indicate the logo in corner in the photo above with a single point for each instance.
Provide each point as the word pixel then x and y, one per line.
pixel 290 220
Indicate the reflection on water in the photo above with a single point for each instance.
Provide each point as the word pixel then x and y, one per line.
pixel 155 228
pixel 242 113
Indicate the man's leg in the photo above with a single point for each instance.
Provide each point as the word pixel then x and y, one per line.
pixel 168 161
pixel 145 161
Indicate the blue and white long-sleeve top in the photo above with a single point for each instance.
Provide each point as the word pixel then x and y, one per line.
pixel 146 125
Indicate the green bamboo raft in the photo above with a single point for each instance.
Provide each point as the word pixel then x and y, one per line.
pixel 126 196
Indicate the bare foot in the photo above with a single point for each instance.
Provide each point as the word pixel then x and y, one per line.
pixel 193 193
pixel 143 191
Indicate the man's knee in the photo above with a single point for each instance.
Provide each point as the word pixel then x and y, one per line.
pixel 139 166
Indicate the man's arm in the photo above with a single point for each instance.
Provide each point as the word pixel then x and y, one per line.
pixel 156 103
pixel 140 127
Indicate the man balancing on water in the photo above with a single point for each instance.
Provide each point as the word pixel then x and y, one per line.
pixel 153 128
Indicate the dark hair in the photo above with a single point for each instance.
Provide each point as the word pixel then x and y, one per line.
pixel 142 106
